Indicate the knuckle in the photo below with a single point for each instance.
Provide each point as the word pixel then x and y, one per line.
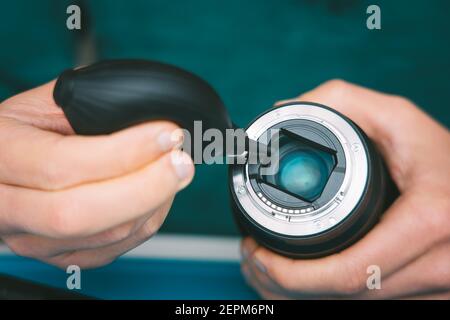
pixel 153 224
pixel 120 233
pixel 402 102
pixel 54 173
pixel 350 285
pixel 280 277
pixel 150 228
pixel 337 87
pixel 403 107
pixel 445 212
pixel 95 263
pixel 285 282
pixel 90 261
pixel 441 274
pixel 442 224
pixel 19 248
pixel 53 176
pixel 62 218
pixel 337 83
pixel 25 247
pixel 351 279
pixel 438 221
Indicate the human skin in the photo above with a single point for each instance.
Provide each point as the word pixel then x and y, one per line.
pixel 411 243
pixel 67 199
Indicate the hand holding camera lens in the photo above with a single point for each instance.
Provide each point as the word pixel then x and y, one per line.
pixel 410 244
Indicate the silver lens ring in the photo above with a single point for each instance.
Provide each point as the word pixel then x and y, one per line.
pixel 292 222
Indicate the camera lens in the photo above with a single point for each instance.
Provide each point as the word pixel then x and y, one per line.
pixel 329 189
pixel 303 173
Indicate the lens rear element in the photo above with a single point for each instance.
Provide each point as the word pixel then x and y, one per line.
pixel 304 173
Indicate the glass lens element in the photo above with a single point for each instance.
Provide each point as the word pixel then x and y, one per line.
pixel 303 172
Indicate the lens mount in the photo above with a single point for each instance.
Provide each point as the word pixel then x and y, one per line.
pixel 309 220
pixel 346 208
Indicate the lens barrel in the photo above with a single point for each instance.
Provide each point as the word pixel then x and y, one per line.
pixel 330 188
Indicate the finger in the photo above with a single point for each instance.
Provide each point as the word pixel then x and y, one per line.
pixel 262 278
pixel 345 273
pixel 37 108
pixel 429 273
pixel 34 246
pixel 256 269
pixel 389 121
pixel 253 282
pixel 251 269
pixel 372 110
pixel 357 103
pixel 54 162
pixel 92 258
pixel 92 208
pixel 264 283
pixel 248 247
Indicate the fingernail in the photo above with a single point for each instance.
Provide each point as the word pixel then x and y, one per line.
pixel 170 139
pixel 259 265
pixel 182 163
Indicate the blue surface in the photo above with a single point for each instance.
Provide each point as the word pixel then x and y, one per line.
pixel 136 278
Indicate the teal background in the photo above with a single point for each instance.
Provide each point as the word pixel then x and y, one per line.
pixel 253 52
pixel 137 278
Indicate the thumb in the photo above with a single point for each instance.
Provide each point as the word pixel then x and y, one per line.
pixel 36 107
